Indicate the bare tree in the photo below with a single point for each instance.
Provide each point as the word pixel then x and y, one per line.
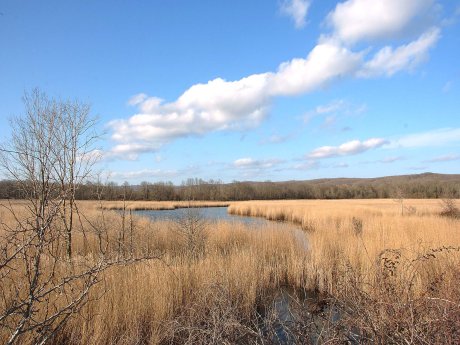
pixel 42 282
pixel 399 197
pixel 75 152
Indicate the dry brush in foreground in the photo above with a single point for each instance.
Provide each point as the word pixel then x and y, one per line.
pixel 394 278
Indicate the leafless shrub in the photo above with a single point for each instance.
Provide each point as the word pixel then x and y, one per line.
pixel 214 317
pixel 192 227
pixel 449 208
pixel 396 311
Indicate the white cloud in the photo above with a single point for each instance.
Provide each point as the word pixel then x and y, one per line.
pixel 437 137
pixel 228 105
pixel 144 174
pixel 453 19
pixel 328 61
pixel 216 105
pixel 387 61
pixel 349 148
pixel 307 165
pixel 392 159
pixel 334 108
pixel 447 87
pixel 276 139
pixel 356 20
pixel 243 162
pixel 137 99
pixel 443 158
pixel 129 151
pixel 297 10
pixel 250 163
pixel 418 167
pixel 221 105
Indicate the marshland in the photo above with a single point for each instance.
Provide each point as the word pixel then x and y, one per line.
pixel 393 277
pixel 276 172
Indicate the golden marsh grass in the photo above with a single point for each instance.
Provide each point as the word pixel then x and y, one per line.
pixel 363 253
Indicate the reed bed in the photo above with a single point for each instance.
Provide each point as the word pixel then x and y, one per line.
pixel 391 272
pixel 158 205
pixel 393 278
pixel 359 232
pixel 178 298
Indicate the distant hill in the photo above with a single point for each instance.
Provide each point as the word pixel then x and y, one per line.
pixel 397 179
pixel 425 185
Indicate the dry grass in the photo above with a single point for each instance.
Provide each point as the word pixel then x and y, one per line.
pixel 171 300
pixel 394 278
pixel 357 232
pixel 159 205
pixel 149 303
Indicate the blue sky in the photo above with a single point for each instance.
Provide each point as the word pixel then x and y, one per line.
pixel 246 90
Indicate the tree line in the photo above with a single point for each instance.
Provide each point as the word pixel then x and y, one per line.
pixel 411 186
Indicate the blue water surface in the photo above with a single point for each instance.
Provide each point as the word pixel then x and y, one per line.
pixel 212 214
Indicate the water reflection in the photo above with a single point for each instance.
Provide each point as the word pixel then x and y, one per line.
pixel 212 214
pixel 217 214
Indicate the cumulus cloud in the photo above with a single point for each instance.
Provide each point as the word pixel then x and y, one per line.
pixel 328 61
pixel 228 105
pixel 297 10
pixel 357 20
pixel 387 61
pixel 222 105
pixel 349 148
pixel 216 105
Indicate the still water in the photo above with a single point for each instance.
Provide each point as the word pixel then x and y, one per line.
pixel 211 214
pixel 216 214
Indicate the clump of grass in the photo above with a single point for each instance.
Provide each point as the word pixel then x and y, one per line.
pixel 357 225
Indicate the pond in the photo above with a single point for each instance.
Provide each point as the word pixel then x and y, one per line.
pixel 212 214
pixel 217 214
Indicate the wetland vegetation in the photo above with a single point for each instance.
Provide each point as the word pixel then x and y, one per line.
pixel 393 277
